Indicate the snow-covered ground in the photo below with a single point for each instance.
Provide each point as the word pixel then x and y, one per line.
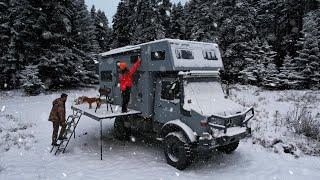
pixel 25 136
pixel 271 127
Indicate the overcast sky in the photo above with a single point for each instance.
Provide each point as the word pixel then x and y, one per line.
pixel 110 6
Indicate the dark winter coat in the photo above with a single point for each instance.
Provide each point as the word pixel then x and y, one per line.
pixel 58 111
pixel 126 78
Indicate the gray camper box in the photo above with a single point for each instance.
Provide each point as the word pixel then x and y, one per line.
pixel 158 57
pixel 177 89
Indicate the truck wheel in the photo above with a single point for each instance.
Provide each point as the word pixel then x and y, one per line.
pixel 229 148
pixel 177 150
pixel 120 131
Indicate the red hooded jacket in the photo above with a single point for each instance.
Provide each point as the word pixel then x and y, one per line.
pixel 126 78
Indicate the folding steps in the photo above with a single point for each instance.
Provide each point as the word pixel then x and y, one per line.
pixel 72 122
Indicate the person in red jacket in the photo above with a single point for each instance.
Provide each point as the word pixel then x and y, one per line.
pixel 126 81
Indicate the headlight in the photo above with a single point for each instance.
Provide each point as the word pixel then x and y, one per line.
pixel 205 136
pixel 217 132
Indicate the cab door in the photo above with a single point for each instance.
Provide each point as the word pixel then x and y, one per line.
pixel 167 100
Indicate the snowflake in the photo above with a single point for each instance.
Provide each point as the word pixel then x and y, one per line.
pixel 168 13
pixel 133 139
pixel 101 24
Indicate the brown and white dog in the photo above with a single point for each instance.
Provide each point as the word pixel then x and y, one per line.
pixel 90 101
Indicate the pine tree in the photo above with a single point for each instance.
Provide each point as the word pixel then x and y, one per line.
pixel 4 27
pixel 147 29
pixel 123 23
pixel 30 80
pixel 203 21
pixel 311 30
pixel 121 29
pixel 259 67
pixel 271 79
pixel 24 18
pixel 236 27
pixel 163 9
pixel 83 29
pixel 280 22
pixel 68 61
pixel 289 74
pixel 177 25
pixel 303 71
pixel 5 36
pixel 103 32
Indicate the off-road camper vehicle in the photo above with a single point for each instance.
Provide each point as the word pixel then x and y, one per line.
pixel 178 91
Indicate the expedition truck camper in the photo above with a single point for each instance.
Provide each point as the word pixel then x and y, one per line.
pixel 178 92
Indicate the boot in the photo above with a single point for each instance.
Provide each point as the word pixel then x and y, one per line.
pixel 54 144
pixel 62 138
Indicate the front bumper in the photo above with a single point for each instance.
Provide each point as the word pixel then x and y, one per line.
pixel 228 132
pixel 204 145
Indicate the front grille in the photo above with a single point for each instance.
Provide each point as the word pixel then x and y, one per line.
pixel 227 122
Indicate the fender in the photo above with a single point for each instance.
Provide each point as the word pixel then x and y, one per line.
pixel 178 125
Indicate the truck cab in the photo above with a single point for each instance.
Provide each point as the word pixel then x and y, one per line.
pixel 181 99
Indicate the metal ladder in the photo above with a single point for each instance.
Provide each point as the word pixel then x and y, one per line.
pixel 72 122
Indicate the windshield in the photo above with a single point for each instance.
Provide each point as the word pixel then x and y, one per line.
pixel 208 98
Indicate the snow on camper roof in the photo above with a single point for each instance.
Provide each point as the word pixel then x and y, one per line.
pixel 121 50
pixel 138 47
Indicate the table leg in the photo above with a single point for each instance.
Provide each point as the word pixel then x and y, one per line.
pixel 101 139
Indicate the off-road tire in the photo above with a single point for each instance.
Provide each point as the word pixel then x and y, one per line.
pixel 228 149
pixel 120 132
pixel 177 150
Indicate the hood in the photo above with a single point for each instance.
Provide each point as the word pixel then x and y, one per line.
pixel 208 98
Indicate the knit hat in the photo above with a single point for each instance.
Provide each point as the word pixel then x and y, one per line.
pixel 122 65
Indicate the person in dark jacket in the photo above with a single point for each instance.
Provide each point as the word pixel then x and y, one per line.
pixel 126 81
pixel 58 118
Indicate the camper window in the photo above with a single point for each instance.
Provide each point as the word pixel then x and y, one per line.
pixel 158 55
pixel 106 76
pixel 184 54
pixel 209 55
pixel 170 90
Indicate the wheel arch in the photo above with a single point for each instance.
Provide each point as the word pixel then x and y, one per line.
pixel 177 125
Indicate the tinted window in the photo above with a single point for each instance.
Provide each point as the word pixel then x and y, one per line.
pixel 184 54
pixel 209 55
pixel 106 76
pixel 170 90
pixel 158 55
